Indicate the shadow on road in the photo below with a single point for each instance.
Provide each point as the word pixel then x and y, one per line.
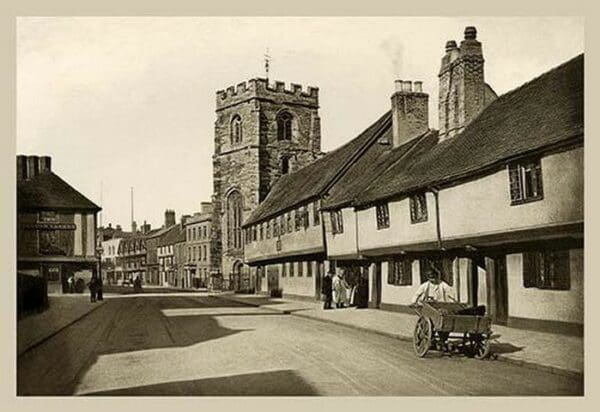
pixel 120 326
pixel 273 383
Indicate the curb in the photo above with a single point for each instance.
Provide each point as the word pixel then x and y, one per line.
pixel 503 358
pixel 56 331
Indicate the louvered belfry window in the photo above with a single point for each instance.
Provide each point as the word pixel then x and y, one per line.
pixel 525 181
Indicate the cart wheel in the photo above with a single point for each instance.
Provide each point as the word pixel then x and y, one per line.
pixel 480 348
pixel 423 336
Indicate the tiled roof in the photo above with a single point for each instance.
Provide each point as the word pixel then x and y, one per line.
pixel 372 164
pixel 311 181
pixel 172 235
pixel 541 113
pixel 48 191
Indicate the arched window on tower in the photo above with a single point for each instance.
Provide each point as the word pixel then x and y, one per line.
pixel 236 129
pixel 284 126
pixel 234 220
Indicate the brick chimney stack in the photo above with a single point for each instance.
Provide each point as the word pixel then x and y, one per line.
pixel 410 111
pixel 29 167
pixel 462 91
pixel 169 218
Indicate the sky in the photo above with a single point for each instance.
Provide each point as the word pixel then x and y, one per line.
pixel 121 102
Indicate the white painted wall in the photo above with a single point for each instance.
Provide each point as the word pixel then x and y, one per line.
pixel 342 244
pixel 483 206
pixel 533 303
pixel 296 285
pixel 401 230
pixel 299 242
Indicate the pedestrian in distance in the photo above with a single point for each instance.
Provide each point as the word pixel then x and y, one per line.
pixel 92 287
pixel 99 292
pixel 326 290
pixel 340 289
pixel 137 285
pixel 71 283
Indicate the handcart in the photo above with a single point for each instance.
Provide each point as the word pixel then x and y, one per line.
pixel 452 327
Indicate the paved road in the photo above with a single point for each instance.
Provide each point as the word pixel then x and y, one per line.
pixel 203 345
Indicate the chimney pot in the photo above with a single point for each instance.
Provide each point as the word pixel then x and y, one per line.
pixel 33 166
pixel 470 33
pixel 410 115
pixel 45 164
pixel 398 85
pixel 450 45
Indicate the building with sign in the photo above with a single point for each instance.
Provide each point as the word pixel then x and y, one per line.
pixel 56 226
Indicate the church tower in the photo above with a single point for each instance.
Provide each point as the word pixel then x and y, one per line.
pixel 262 131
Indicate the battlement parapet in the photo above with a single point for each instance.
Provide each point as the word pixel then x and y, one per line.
pixel 261 88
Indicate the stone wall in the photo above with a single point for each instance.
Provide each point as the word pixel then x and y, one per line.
pixel 253 165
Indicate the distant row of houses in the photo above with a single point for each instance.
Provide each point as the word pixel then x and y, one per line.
pixel 58 238
pixel 178 254
pixel 493 199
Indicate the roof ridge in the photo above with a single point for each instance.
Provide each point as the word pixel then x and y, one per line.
pixel 533 80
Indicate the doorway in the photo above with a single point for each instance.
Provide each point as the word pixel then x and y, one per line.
pixel 318 279
pixel 496 278
pixel 376 287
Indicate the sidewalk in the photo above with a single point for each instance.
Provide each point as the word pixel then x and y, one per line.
pixel 555 353
pixel 63 311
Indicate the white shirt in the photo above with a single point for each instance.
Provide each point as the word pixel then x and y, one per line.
pixel 442 292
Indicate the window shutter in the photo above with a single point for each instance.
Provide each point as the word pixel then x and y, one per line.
pixel 391 272
pixel 516 189
pixel 538 179
pixel 406 272
pixel 530 269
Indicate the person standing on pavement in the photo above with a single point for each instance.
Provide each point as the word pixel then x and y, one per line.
pixel 99 295
pixel 92 288
pixel 340 288
pixel 326 289
pixel 71 283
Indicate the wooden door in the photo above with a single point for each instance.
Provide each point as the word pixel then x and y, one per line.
pixel 376 286
pixel 500 287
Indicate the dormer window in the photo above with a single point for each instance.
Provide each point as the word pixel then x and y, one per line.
pixel 284 126
pixel 236 129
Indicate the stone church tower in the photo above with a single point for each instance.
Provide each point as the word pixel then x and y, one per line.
pixel 261 132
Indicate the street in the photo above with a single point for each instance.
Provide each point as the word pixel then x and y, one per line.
pixel 183 344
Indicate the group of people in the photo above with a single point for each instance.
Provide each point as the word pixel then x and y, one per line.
pixel 95 287
pixel 335 290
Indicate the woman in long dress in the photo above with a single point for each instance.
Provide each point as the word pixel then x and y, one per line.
pixel 340 294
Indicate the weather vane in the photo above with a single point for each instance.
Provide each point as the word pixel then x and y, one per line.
pixel 267 61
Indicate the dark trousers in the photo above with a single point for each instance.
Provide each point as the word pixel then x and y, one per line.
pixel 328 299
pixel 92 295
